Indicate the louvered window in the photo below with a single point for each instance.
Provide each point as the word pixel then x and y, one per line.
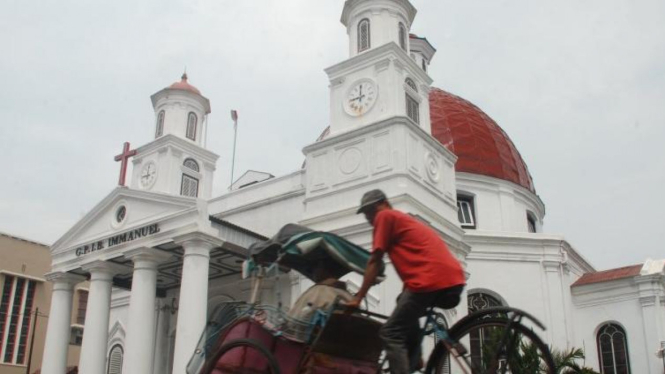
pixel 613 350
pixel 115 360
pixel 402 36
pixel 424 65
pixel 412 109
pixel 15 318
pixel 409 82
pixel 412 105
pixel 191 164
pixel 191 126
pixel 159 131
pixel 364 41
pixel 190 186
pixel 82 307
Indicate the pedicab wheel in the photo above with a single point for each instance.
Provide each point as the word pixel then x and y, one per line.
pixel 524 351
pixel 271 364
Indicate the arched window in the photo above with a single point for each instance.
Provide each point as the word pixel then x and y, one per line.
pixel 531 222
pixel 190 184
pixel 364 40
pixel 115 360
pixel 424 64
pixel 479 337
pixel 402 36
pixel 412 105
pixel 191 126
pixel 191 164
pixel 613 349
pixel 159 130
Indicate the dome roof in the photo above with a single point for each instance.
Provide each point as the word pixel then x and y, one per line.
pixel 481 146
pixel 184 85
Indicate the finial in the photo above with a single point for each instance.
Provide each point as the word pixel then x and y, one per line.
pixel 184 74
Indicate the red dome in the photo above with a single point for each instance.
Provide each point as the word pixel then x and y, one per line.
pixel 481 146
pixel 184 85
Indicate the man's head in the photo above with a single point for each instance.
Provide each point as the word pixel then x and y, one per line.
pixel 371 203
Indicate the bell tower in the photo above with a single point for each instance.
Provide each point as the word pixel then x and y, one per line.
pixel 176 161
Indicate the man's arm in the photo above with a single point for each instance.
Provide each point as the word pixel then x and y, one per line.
pixel 372 271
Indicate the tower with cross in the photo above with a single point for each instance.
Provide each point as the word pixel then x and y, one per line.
pixel 176 161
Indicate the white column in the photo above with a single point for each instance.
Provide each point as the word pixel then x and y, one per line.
pixel 95 333
pixel 193 304
pixel 141 330
pixel 59 322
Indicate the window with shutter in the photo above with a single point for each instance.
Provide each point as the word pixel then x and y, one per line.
pixel 191 126
pixel 115 360
pixel 190 186
pixel 364 41
pixel 159 131
pixel 402 36
pixel 191 164
pixel 83 306
pixel 15 318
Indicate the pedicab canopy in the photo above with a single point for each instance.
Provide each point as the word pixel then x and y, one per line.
pixel 303 249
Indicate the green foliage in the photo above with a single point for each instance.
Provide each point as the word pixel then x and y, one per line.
pixel 527 359
pixel 565 362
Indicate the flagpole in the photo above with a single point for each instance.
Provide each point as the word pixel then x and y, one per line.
pixel 234 117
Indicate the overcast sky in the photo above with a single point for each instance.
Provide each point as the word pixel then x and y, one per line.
pixel 578 85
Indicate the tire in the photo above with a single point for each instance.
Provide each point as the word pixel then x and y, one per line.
pixel 272 365
pixel 531 356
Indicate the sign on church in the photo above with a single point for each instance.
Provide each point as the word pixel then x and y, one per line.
pixel 118 239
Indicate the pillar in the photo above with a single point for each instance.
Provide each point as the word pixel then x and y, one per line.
pixel 95 336
pixel 193 304
pixel 59 322
pixel 140 341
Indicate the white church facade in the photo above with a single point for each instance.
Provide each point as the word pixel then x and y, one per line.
pixel 162 253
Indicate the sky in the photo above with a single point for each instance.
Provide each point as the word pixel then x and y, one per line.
pixel 579 86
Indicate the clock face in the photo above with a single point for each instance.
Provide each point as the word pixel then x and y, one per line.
pixel 361 97
pixel 148 174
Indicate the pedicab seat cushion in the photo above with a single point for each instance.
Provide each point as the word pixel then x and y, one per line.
pixel 286 352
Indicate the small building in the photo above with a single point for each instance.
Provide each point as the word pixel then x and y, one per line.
pixel 24 307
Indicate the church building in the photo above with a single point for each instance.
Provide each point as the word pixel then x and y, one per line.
pixel 162 253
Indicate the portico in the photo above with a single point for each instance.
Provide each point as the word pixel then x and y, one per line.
pixel 167 244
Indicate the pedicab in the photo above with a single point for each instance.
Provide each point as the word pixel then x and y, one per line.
pixel 248 337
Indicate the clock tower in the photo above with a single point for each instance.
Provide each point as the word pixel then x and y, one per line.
pixel 176 161
pixel 381 79
pixel 380 131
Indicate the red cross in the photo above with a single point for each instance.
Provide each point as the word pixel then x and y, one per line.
pixel 123 157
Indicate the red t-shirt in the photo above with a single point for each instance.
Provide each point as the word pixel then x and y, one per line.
pixel 419 255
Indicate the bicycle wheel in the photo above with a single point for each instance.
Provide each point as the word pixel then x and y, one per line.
pixel 522 351
pixel 242 356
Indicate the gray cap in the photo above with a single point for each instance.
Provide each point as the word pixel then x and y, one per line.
pixel 370 198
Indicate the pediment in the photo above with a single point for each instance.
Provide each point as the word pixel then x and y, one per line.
pixel 140 208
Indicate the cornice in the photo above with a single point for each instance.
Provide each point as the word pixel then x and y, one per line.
pixel 491 184
pixel 378 126
pixel 349 6
pixel 386 52
pixel 179 144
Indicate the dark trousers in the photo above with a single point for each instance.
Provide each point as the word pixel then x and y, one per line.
pixel 401 332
